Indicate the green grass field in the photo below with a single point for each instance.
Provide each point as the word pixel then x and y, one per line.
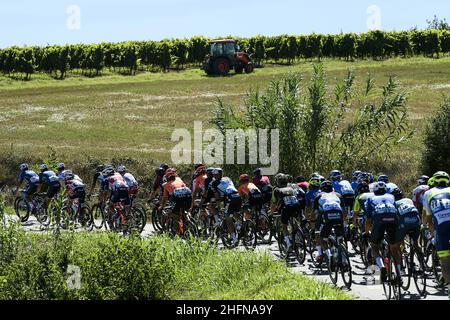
pixel 133 117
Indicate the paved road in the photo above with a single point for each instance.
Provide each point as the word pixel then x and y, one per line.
pixel 362 287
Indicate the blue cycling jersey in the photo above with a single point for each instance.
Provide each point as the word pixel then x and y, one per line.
pixel 30 177
pixel 343 187
pixel 49 177
pixel 381 207
pixel 354 186
pixel 310 196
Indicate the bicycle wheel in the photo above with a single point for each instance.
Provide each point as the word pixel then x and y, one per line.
pixel 225 236
pixel 299 246
pixel 282 247
pixel 21 209
pixel 248 235
pixel 276 221
pixel 86 218
pixel 406 261
pixel 156 220
pixel 345 267
pixel 42 216
pixel 332 266
pixel 137 220
pixel 419 274
pixel 98 216
pixel 263 229
pixel 436 266
pixel 394 281
pixel 191 230
pixel 387 285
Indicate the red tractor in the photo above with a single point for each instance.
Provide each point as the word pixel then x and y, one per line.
pixel 226 55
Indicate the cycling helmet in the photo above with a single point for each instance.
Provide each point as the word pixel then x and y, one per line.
pixel 257 172
pixel 23 167
pixel 69 175
pixel 61 166
pixel 314 183
pixel 397 193
pixel 290 178
pixel 99 168
pixel 441 179
pixel 304 185
pixel 326 186
pixel 356 174
pixel 200 171
pixel 282 181
pixel 335 175
pixel 108 172
pixel 423 180
pixel 384 178
pixel 300 179
pixel 363 178
pixel 217 171
pixel 198 165
pixel 121 169
pixel 164 166
pixel 244 177
pixel 431 183
pixel 210 170
pixel 43 167
pixel 370 177
pixel 171 172
pixel 315 175
pixel 379 187
pixel 363 187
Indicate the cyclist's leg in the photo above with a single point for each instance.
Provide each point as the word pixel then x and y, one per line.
pixel 376 237
pixel 443 250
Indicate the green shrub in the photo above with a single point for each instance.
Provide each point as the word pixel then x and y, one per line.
pixel 437 140
pixel 36 266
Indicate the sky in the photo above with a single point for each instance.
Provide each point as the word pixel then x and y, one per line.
pixel 31 22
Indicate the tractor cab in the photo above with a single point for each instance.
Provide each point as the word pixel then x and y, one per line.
pixel 225 55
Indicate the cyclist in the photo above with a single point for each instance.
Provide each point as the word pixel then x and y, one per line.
pixel 285 202
pixel 310 196
pixel 118 190
pixel 75 188
pixel 263 184
pixel 224 189
pixel 32 182
pixel 49 182
pixel 157 186
pixel 177 193
pixel 104 186
pixel 302 183
pixel 381 214
pixel 329 212
pixel 360 202
pixel 344 188
pixel 62 173
pixel 131 181
pixel 408 218
pixel 419 191
pixel 250 194
pixel 198 182
pixel 207 193
pixel 437 206
pixel 355 176
pixel 195 174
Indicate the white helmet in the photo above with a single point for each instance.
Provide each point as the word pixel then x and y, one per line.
pixel 380 185
pixel 61 166
pixel 23 167
pixel 121 169
pixel 43 167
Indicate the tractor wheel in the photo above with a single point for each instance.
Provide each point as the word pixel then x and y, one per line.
pixel 222 66
pixel 239 69
pixel 249 68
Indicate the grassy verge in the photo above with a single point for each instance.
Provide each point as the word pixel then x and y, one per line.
pixel 37 266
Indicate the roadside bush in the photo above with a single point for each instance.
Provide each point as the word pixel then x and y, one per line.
pixel 437 140
pixel 344 130
pixel 112 267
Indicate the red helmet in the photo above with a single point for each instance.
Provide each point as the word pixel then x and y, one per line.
pixel 171 172
pixel 244 177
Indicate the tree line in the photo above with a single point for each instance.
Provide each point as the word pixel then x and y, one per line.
pixel 132 56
